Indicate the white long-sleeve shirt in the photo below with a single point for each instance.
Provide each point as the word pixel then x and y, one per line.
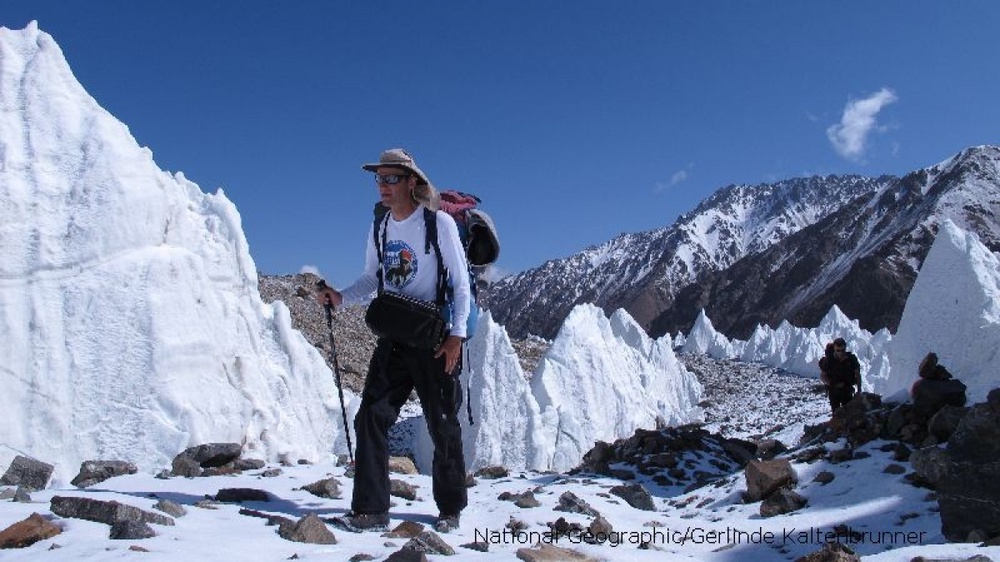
pixel 408 270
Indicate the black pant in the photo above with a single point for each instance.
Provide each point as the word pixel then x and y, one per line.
pixel 394 371
pixel 840 396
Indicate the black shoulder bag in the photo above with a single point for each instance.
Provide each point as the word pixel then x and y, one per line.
pixel 402 319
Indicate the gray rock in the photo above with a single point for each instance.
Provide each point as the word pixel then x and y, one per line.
pixel 431 543
pixel 569 502
pixel 781 501
pixel 964 475
pixel 186 467
pixel 524 500
pixel 552 553
pixel 94 472
pixel 107 512
pixel 527 500
pixel 977 437
pixel 238 495
pixel 944 423
pixel 405 530
pixel 492 472
pixel 402 465
pixel 739 450
pixel 326 488
pixel 599 530
pixel 402 489
pixel 901 453
pixel 840 455
pixel 310 529
pixel 767 449
pixel 29 472
pixel 407 555
pixel 131 530
pixel 170 508
pixel 22 494
pixel 764 477
pixel 894 468
pixel 205 456
pixel 931 463
pixel 248 464
pixel 824 477
pixel 635 495
pixel 271 518
pixel 7 493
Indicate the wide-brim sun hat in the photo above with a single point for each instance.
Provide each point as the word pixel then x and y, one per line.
pixel 398 158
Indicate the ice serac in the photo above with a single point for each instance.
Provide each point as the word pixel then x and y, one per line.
pixel 704 339
pixel 509 430
pixel 798 349
pixel 604 378
pixel 954 311
pixel 131 321
pixel 506 423
pixel 600 380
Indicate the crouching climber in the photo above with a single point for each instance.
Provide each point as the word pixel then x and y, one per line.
pixel 936 387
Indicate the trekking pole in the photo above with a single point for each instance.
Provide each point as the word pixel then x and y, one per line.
pixel 468 384
pixel 336 370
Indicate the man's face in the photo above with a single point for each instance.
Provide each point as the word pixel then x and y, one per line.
pixel 393 185
pixel 839 351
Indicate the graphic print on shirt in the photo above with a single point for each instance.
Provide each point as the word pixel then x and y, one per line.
pixel 400 263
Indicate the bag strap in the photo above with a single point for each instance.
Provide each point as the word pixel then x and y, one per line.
pixel 431 229
pixel 381 223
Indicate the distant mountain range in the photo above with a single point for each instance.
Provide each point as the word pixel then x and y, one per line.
pixel 760 254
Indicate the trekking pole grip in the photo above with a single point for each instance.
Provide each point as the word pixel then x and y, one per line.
pixel 322 286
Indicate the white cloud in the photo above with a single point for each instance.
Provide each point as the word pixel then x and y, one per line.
pixel 310 269
pixel 850 136
pixel 677 178
pixel 494 273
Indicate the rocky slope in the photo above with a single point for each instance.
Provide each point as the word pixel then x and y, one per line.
pixel 354 341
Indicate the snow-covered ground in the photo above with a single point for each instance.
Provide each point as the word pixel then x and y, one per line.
pixel 886 519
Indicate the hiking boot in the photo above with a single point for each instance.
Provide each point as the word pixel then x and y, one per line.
pixel 361 522
pixel 446 523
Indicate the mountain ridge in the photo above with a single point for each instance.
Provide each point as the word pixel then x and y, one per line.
pixel 664 276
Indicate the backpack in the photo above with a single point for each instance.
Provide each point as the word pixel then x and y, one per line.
pixel 478 235
pixel 475 228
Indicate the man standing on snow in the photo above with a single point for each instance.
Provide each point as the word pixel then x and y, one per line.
pixel 840 371
pixel 396 368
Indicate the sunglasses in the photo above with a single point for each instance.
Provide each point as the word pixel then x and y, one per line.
pixel 389 179
pixel 839 349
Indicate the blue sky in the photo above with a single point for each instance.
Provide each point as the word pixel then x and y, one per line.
pixel 573 121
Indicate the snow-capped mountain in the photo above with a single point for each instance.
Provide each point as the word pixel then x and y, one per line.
pixel 761 254
pixel 643 272
pixel 862 257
